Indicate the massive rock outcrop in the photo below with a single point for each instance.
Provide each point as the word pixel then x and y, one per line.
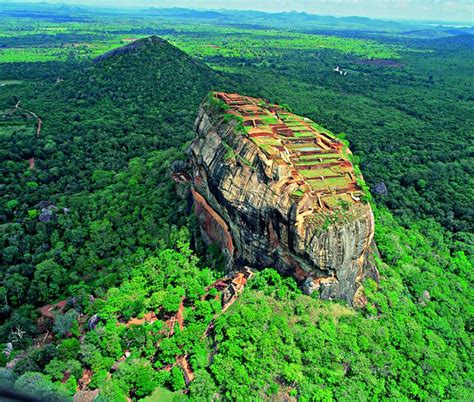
pixel 276 190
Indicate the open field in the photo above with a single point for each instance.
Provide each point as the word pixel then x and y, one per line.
pixel 46 41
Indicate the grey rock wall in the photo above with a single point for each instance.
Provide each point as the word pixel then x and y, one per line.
pixel 267 226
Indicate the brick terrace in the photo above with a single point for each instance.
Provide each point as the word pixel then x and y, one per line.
pixel 317 162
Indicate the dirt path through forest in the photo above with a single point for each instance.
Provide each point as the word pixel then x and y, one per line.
pixel 39 124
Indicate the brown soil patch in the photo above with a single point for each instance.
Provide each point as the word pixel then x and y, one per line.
pixel 50 309
pixel 147 318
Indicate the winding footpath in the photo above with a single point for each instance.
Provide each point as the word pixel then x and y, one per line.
pixel 39 124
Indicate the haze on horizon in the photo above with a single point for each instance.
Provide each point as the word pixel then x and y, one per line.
pixel 428 10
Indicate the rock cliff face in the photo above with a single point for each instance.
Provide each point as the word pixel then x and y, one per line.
pixel 276 190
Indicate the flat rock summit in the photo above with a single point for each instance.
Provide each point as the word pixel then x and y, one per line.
pixel 274 189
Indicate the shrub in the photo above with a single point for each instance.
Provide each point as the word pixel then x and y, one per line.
pixel 39 386
pixel 7 378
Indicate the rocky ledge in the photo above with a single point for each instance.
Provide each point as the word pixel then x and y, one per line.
pixel 276 190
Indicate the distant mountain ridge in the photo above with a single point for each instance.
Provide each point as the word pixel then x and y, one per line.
pixel 287 20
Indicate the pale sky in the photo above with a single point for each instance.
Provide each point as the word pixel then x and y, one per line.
pixel 439 10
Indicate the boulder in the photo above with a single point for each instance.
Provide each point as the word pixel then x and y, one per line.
pixel 380 189
pixel 46 215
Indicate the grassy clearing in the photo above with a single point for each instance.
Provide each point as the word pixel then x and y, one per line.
pixel 298 193
pixel 332 183
pixel 327 158
pixel 303 135
pixel 318 173
pixel 266 141
pixel 268 119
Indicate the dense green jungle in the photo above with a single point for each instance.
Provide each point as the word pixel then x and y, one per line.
pixel 96 237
